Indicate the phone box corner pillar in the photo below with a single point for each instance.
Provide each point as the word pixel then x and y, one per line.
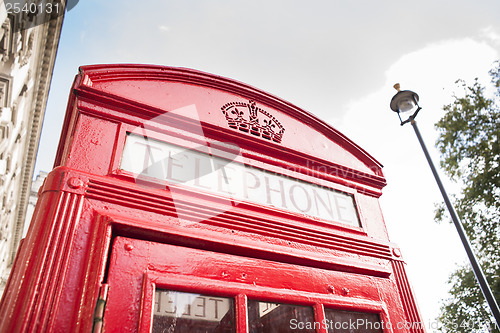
pixel 182 201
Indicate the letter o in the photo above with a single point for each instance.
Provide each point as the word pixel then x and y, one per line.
pixel 292 198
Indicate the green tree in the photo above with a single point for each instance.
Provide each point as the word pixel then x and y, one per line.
pixel 469 135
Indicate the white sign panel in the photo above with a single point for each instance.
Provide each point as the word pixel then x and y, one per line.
pixel 200 170
pixel 190 306
pixel 266 308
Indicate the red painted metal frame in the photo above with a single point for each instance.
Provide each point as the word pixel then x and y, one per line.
pixel 88 209
pixel 185 270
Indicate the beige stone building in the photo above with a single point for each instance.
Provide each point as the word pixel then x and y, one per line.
pixel 27 59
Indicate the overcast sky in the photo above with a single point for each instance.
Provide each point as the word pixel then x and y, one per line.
pixel 336 59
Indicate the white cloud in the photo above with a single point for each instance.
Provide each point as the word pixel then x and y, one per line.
pixel 431 72
pixel 163 28
pixel 438 66
pixel 491 34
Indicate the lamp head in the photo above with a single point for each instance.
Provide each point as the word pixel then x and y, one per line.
pixel 405 103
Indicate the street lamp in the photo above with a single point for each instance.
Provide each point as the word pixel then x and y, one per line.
pixel 405 103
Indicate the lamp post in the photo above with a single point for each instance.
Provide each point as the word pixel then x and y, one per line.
pixel 405 104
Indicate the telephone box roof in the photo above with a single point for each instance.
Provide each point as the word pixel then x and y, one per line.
pixel 279 124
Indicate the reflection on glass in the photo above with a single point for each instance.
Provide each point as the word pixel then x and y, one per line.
pixel 194 313
pixel 352 322
pixel 266 317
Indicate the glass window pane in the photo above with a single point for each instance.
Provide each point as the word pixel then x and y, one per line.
pixel 194 313
pixel 352 322
pixel 266 317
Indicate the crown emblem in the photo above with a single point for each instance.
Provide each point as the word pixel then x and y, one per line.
pixel 249 118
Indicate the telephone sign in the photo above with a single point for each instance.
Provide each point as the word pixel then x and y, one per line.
pixel 234 179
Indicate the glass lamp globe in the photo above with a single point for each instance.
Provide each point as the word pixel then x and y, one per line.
pixel 405 103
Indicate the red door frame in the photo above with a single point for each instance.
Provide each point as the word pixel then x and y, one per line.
pixel 138 267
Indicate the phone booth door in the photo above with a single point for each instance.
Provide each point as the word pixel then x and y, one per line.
pixel 155 287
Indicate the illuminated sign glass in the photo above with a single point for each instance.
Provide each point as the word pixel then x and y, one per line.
pixel 224 174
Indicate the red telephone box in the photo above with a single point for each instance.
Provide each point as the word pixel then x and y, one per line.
pixel 187 202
